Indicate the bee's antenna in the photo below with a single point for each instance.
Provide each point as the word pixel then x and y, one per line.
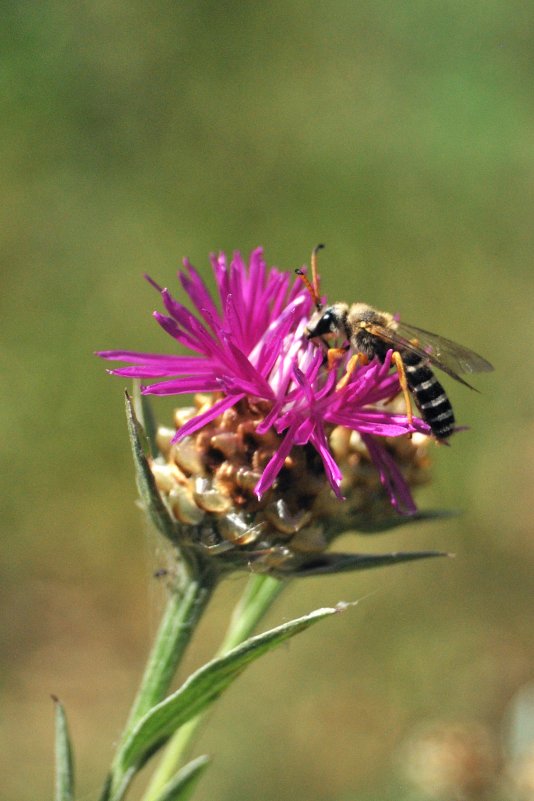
pixel 315 277
pixel 313 285
pixel 307 283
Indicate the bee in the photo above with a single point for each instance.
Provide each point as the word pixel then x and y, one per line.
pixel 370 334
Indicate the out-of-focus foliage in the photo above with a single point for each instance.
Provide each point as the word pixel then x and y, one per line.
pixel 133 134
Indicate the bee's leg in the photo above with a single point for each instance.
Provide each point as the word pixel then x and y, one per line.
pixel 333 355
pixel 399 364
pixel 325 348
pixel 353 364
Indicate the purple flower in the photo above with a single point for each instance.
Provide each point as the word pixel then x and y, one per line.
pixel 251 346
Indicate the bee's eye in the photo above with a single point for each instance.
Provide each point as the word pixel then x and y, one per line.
pixel 329 320
pixel 325 324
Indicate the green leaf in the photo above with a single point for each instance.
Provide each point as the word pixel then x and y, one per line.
pixel 198 691
pixel 146 484
pixel 185 606
pixel 145 415
pixel 183 785
pixel 381 521
pixel 345 562
pixel 64 790
pixel 259 595
pixel 373 526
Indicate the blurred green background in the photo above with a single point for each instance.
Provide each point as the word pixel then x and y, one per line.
pixel 399 133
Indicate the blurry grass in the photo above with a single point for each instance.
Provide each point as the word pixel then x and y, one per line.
pixel 399 134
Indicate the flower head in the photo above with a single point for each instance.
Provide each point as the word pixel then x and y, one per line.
pixel 252 347
pixel 271 421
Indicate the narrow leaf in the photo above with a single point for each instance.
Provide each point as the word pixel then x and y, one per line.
pixel 259 595
pixel 145 415
pixel 183 785
pixel 64 790
pixel 146 484
pixel 345 562
pixel 185 606
pixel 201 689
pixel 369 525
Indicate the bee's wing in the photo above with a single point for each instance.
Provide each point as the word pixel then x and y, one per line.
pixel 444 351
pixel 444 354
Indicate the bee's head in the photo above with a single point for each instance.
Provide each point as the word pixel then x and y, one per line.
pixel 331 320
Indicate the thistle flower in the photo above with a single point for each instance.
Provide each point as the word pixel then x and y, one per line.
pixel 274 458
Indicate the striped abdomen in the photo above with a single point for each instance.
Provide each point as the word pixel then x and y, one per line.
pixel 430 397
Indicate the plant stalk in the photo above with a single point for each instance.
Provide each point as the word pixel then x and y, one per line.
pixel 187 601
pixel 259 595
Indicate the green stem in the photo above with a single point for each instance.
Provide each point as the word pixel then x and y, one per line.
pixel 185 606
pixel 258 597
